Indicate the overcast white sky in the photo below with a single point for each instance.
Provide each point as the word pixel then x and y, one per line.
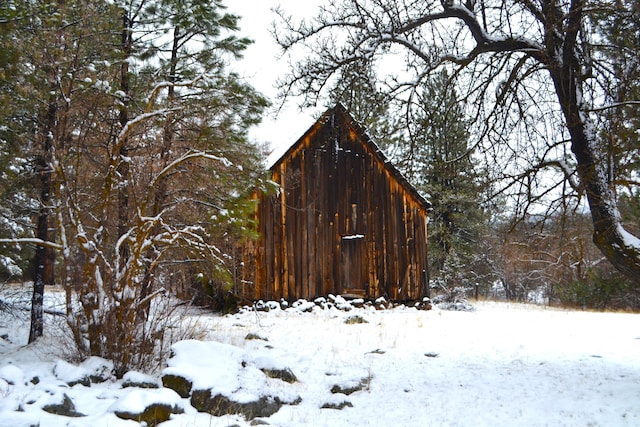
pixel 262 67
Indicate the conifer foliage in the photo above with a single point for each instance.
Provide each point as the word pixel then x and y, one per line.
pixel 141 147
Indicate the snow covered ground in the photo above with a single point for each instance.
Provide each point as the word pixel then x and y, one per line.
pixel 500 365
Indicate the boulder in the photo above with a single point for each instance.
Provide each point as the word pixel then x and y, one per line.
pixel 178 383
pixel 355 320
pixel 222 379
pixel 61 404
pixel 219 405
pixel 98 369
pixel 284 374
pixel 149 406
pixel 71 374
pixel 152 415
pixel 424 305
pixel 350 387
pixel 12 375
pixel 139 380
pixel 253 336
pixel 337 404
pixel 19 419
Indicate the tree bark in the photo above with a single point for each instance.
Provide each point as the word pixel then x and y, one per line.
pixel 123 118
pixel 616 244
pixel 620 247
pixel 43 260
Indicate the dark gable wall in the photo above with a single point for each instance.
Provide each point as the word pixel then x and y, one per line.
pixel 343 222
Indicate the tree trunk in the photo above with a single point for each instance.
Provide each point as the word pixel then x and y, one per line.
pixel 43 259
pixel 123 166
pixel 620 247
pixel 161 188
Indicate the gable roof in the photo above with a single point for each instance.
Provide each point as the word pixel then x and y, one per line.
pixel 339 116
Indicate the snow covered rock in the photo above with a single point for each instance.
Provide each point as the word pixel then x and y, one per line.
pixel 219 405
pixel 72 374
pixel 355 319
pixel 12 375
pixel 340 303
pixel 19 419
pixel 139 380
pixel 61 404
pixel 222 379
pixel 177 383
pixel 149 406
pixel 98 369
pixel 303 306
pixel 272 368
pixel 284 374
pixel 52 399
pixel 350 387
pixel 337 402
pixel 424 305
pixel 253 336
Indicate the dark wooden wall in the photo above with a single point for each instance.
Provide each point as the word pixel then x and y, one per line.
pixel 343 222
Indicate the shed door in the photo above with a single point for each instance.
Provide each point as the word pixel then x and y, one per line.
pixel 353 265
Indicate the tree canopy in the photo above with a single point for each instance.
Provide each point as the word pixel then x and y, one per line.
pixel 534 78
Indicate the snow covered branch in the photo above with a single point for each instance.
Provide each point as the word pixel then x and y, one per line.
pixel 33 241
pixel 185 157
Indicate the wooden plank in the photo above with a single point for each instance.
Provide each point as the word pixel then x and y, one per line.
pixel 343 189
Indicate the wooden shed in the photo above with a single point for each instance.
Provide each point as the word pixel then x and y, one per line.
pixel 344 221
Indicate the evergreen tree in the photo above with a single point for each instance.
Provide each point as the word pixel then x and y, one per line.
pixel 15 222
pixel 439 161
pixel 45 38
pixel 355 88
pixel 137 133
pixel 621 122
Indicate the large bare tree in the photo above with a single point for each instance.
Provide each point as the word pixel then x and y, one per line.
pixel 531 73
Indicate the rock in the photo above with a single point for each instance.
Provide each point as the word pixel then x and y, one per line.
pixel 71 374
pixel 340 303
pixel 281 374
pixel 381 303
pixel 357 302
pixel 152 415
pixel 65 407
pixel 223 378
pixel 424 305
pixel 303 306
pixel 140 380
pixel 220 405
pixel 337 405
pixel 355 319
pixel 177 383
pixel 12 375
pixel 149 406
pixel 99 369
pixel 19 419
pixel 253 336
pixel 351 386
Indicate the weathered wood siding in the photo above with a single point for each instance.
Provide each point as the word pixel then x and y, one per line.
pixel 343 222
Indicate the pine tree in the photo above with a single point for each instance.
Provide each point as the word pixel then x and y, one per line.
pixel 132 116
pixel 438 160
pixel 148 190
pixel 355 88
pixel 15 221
pixel 621 126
